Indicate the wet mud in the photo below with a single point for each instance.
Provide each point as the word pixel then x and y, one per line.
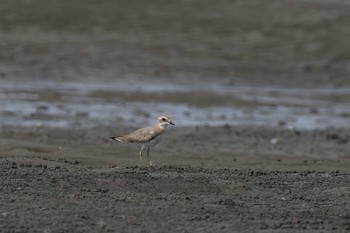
pixel 242 179
pixel 50 196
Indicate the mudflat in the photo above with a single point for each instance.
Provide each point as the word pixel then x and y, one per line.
pixel 60 173
pixel 57 181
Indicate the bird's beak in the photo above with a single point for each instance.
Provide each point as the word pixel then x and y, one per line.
pixel 172 123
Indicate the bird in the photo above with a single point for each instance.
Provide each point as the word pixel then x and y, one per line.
pixel 147 137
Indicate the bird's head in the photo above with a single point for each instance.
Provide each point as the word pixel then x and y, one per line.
pixel 164 120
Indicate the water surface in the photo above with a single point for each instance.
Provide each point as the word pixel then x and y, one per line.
pixel 69 104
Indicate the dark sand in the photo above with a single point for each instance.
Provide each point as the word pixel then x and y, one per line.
pixel 68 181
pixel 205 179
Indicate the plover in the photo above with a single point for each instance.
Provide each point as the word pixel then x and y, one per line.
pixel 147 137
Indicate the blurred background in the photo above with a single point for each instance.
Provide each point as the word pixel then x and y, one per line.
pixel 88 63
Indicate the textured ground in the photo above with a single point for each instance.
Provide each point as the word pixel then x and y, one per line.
pixel 237 181
pixel 47 196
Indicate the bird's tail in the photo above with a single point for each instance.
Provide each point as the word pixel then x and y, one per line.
pixel 115 138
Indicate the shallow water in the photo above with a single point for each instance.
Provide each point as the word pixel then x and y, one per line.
pixel 67 104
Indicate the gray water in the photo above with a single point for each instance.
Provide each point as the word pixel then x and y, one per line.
pixel 313 108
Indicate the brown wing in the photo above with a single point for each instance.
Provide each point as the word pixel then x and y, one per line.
pixel 143 135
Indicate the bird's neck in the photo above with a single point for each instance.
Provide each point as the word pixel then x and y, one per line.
pixel 162 126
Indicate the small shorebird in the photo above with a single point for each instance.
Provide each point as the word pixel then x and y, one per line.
pixel 147 137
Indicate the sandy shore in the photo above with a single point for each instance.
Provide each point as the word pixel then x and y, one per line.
pixel 76 181
pixel 57 196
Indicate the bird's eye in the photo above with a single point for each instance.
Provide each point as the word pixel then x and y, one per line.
pixel 163 119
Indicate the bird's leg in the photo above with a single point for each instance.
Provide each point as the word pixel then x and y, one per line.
pixel 140 154
pixel 149 158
